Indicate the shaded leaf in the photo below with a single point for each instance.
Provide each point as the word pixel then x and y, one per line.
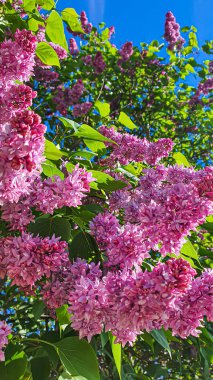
pixel 62 315
pixel 78 358
pixel 160 337
pixel 40 367
pixel 83 245
pixel 49 226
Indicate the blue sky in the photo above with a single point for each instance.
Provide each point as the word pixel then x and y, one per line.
pixel 143 20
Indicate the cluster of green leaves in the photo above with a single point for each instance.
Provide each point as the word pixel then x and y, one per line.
pixel 154 100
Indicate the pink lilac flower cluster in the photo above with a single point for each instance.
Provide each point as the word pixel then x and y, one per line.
pixel 126 51
pixel 51 194
pixel 76 91
pixel 131 148
pixel 81 109
pixel 17 215
pixel 43 74
pixel 58 291
pixel 186 315
pixel 204 182
pixel 87 59
pixel 4 332
pixel 27 259
pixel 86 26
pixel 111 31
pixel 65 97
pixel 22 145
pixel 17 58
pixel 13 99
pixel 158 214
pixel 61 52
pixel 46 196
pixel 21 131
pixel 73 47
pixel 203 89
pixel 99 63
pixel 172 33
pixel 124 246
pixel 128 302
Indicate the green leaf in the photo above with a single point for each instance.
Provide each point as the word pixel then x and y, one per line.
pixel 48 226
pixel 51 151
pixel 90 133
pixel 104 338
pixel 70 16
pixel 193 40
pixel 181 159
pixel 126 121
pixel 62 315
pixel 33 24
pixel 160 337
pixel 148 339
pixel 40 367
pixel 105 182
pixel 78 358
pixel 50 170
pixel 29 5
pixel 190 261
pixel 83 245
pixel 70 167
pixel 66 376
pixel 189 250
pixel 69 123
pixel 95 146
pixel 15 368
pixel 46 4
pixel 55 30
pixel 116 351
pixel 206 363
pixel 51 337
pixel 190 68
pixel 103 108
pixel 84 153
pixel 37 309
pixel 47 54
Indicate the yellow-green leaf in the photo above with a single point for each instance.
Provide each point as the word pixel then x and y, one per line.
pixel 55 30
pixel 47 54
pixel 126 121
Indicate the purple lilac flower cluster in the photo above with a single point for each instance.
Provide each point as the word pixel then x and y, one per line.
pixel 129 301
pixel 66 97
pixel 26 259
pixel 4 332
pixel 131 148
pixel 46 196
pixel 172 33
pixel 158 214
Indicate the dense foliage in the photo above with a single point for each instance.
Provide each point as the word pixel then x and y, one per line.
pixel 106 227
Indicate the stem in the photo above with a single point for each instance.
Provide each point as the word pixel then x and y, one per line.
pixel 39 341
